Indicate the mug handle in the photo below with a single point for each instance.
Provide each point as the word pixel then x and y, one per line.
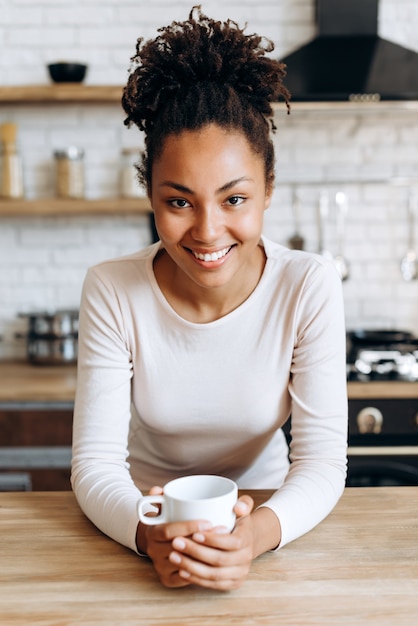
pixel 157 519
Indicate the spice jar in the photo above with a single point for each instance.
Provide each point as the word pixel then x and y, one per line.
pixel 69 172
pixel 11 179
pixel 129 186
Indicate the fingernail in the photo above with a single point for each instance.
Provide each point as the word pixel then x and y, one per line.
pixel 221 530
pixel 184 574
pixel 241 506
pixel 175 558
pixel 205 525
pixel 178 543
pixel 198 537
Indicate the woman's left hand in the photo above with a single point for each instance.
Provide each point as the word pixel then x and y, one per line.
pixel 217 558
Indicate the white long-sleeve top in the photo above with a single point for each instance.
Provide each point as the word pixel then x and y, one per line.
pixel 159 397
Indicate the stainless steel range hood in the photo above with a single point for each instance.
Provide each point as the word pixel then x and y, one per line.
pixel 349 61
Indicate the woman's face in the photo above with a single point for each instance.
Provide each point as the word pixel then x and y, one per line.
pixel 209 195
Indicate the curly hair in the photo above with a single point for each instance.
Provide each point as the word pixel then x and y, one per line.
pixel 199 72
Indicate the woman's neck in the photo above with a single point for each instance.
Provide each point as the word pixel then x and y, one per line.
pixel 202 305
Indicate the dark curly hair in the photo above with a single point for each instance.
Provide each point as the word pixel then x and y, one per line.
pixel 198 72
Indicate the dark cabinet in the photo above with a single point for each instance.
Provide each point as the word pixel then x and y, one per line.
pixel 35 448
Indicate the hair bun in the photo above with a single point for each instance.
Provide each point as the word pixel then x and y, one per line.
pixel 201 50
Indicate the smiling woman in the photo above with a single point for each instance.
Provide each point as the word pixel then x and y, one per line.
pixel 194 352
pixel 210 234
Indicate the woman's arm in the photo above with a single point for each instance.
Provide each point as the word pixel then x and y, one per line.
pixel 319 412
pixel 100 473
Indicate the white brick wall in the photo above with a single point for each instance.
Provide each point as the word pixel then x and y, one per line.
pixel 43 260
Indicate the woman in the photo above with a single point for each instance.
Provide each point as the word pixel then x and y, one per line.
pixel 194 351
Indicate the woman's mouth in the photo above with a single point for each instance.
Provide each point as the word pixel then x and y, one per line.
pixel 210 257
pixel 213 259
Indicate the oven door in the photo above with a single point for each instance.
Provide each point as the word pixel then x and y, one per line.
pixel 382 466
pixel 383 442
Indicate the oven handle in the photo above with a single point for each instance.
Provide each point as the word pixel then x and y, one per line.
pixel 383 451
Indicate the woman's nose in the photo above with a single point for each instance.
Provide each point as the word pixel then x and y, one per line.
pixel 208 224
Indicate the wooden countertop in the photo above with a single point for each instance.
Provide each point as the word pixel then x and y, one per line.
pixel 24 382
pixel 359 567
pixel 395 390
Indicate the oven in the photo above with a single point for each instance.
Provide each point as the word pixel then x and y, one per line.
pixel 383 439
pixel 382 372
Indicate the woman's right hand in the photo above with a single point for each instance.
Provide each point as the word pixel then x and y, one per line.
pixel 156 542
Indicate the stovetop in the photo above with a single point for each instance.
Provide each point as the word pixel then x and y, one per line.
pixel 397 362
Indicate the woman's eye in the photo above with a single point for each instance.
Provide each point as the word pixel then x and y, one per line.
pixel 179 203
pixel 235 200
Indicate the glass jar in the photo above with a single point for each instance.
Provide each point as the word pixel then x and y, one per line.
pixel 129 186
pixel 11 170
pixel 11 177
pixel 69 182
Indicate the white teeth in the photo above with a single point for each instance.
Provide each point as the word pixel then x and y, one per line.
pixel 211 257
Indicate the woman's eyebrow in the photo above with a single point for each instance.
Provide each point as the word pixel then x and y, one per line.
pixel 184 189
pixel 173 185
pixel 232 183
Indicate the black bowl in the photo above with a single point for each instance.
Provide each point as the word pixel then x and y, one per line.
pixel 67 72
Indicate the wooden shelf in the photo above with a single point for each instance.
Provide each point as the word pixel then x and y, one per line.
pixel 61 207
pixel 383 106
pixel 78 92
pixel 60 92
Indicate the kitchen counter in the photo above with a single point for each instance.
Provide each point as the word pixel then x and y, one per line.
pixel 23 382
pixel 382 389
pixel 359 567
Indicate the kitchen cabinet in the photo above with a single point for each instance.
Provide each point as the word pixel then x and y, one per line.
pixel 36 413
pixel 35 448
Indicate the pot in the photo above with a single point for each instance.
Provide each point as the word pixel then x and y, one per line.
pixel 62 323
pixel 379 337
pixel 375 339
pixel 52 337
pixel 47 351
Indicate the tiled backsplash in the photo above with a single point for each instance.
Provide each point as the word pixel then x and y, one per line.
pixel 43 260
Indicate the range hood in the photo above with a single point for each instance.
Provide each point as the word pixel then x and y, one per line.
pixel 349 61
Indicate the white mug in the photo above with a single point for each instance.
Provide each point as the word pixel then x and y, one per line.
pixel 202 497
